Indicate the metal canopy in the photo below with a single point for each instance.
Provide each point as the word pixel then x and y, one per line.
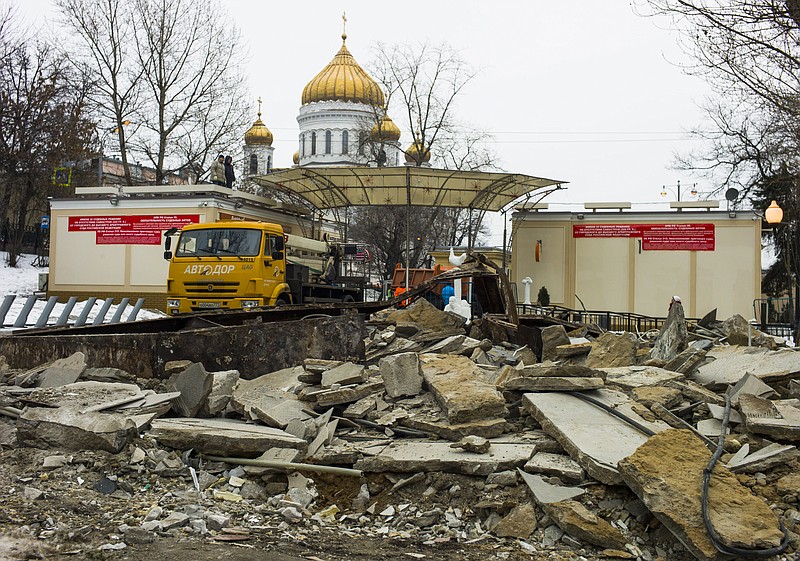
pixel 336 187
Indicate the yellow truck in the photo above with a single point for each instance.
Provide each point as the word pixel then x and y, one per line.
pixel 239 264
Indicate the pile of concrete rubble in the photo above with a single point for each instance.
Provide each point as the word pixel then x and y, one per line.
pixel 595 448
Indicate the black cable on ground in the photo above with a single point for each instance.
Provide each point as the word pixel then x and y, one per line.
pixel 730 550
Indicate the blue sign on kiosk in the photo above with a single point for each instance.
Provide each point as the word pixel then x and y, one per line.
pixel 45 223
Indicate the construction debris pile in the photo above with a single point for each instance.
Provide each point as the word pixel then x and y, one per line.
pixel 440 435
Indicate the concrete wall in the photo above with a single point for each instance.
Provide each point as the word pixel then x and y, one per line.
pixel 617 273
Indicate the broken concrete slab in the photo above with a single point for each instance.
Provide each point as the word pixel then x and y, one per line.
pixel 778 419
pixel 344 374
pixel 762 460
pixel 545 493
pixel 711 427
pixel 411 457
pixel 474 444
pixel 666 474
pixel 553 384
pixel 222 384
pixel 194 383
pixel 88 396
pixel 280 415
pixel 673 336
pixel 687 360
pixel 556 465
pixel 559 370
pixel 749 384
pixel 486 428
pixel 63 371
pixel 630 377
pixel 342 396
pixel 695 392
pixel 426 321
pixel 730 362
pixel 577 521
pixel 402 374
pixel 106 375
pixel 69 428
pixel 264 391
pixel 594 438
pixel 319 365
pixel 224 437
pixel 461 388
pixel 398 345
pixel 718 412
pixel 360 408
pixel 573 350
pixel 610 350
pixel 456 344
pixel 553 336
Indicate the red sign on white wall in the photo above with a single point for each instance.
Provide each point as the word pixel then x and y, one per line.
pixel 655 237
pixel 139 229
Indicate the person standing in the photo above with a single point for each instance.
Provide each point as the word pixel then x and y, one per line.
pixel 230 176
pixel 218 170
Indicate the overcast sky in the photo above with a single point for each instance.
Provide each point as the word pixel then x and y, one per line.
pixel 587 92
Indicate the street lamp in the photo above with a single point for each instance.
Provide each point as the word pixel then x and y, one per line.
pixel 677 191
pixel 774 216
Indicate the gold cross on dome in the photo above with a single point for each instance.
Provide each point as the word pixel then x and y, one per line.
pixel 259 106
pixel 344 23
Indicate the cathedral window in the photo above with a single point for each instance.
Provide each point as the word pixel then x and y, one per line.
pixel 328 136
pixel 345 142
pixel 362 141
pixel 269 164
pixel 253 164
pixel 303 145
pixel 313 143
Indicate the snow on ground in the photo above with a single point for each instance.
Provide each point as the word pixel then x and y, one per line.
pixel 23 281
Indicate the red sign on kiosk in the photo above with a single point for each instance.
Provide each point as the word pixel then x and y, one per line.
pixel 139 229
pixel 655 237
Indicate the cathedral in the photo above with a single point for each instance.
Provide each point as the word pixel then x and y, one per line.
pixel 343 122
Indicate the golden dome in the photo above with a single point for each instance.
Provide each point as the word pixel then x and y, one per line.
pixel 385 130
pixel 343 80
pixel 258 134
pixel 296 158
pixel 412 153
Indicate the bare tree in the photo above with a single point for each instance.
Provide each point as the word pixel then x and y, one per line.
pixel 170 69
pixel 106 55
pixel 43 124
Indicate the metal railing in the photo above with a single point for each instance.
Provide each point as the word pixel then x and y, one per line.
pixel 775 316
pixel 64 317
pixel 605 319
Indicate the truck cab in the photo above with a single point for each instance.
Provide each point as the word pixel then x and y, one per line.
pixel 228 265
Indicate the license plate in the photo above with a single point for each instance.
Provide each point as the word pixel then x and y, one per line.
pixel 209 305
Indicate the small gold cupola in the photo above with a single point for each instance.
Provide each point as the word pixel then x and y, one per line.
pixel 385 130
pixel 258 134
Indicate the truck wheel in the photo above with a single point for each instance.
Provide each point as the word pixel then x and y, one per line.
pixel 348 298
pixel 281 301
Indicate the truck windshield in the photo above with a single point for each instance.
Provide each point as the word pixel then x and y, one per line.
pixel 213 241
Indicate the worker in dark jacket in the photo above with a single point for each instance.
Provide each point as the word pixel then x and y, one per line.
pixel 230 176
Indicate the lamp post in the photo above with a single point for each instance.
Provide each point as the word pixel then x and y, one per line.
pixel 774 216
pixel 677 191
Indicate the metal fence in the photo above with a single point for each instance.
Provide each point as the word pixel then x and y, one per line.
pixel 84 317
pixel 605 319
pixel 775 316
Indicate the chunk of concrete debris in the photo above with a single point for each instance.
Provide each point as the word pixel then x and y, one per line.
pixel 630 377
pixel 344 374
pixel 546 493
pixel 461 389
pixel 474 444
pixel 666 474
pixel 280 415
pixel 573 350
pixel 593 437
pixel 68 428
pixel 195 384
pixel 648 396
pixel 730 361
pixel 87 396
pixel 610 350
pixel 485 428
pixel 673 336
pixel 778 419
pixel 264 391
pixel 342 396
pixel 553 336
pixel 411 457
pixel 751 385
pixel 63 371
pixel 739 331
pixel 402 374
pixel 524 355
pixel 106 374
pixel 552 384
pixel 711 427
pixel 767 458
pixel 224 437
pixel 520 523
pixel 555 465
pixel 687 360
pixel 319 365
pixel 425 322
pixel 360 408
pixel 455 344
pixel 577 521
pixel 222 384
pixel 558 370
